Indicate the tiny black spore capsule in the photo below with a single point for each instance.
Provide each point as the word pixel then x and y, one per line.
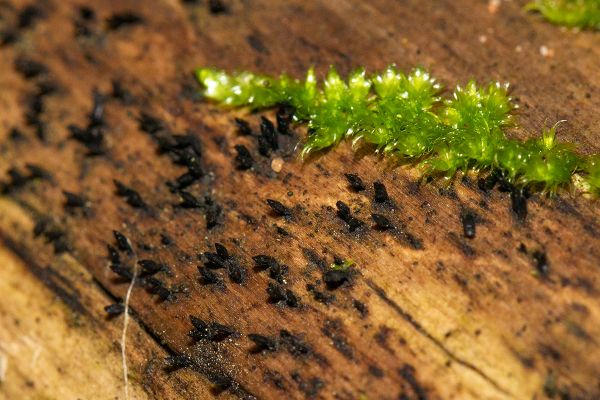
pixel 120 20
pixel 279 209
pixel 188 200
pixel 264 262
pixel 267 130
pixel 541 263
pixel 469 221
pixel 113 310
pixel 178 361
pixel 344 213
pixel 131 196
pixel 120 93
pixel 334 278
pixel 355 182
pixel 519 203
pixel 217 7
pixel 73 200
pixel 29 68
pixel 262 343
pixel 243 127
pixel 284 117
pixel 122 271
pixel 150 267
pixel 122 242
pixel 28 15
pixel 113 254
pixel 382 222
pixel 243 159
pixel 278 294
pixel 150 124
pixel 236 272
pixel 381 194
pixel 208 277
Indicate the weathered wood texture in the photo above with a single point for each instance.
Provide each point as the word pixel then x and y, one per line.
pixel 453 318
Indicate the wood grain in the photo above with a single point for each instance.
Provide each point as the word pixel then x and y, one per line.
pixel 451 318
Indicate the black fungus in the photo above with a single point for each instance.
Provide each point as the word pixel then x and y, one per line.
pixel 120 20
pixel 469 220
pixel 120 93
pixel 262 343
pixel 217 7
pixel 278 272
pixel 155 286
pixel 8 37
pixel 243 127
pixel 151 267
pixel 519 203
pixel 37 172
pixel 321 297
pixel 208 277
pixel 486 184
pixel 114 310
pixel 264 262
pixel 361 308
pixel 267 131
pixel 278 208
pixel 28 15
pixel 73 200
pixel 212 213
pixel 113 254
pixel 188 200
pixel 221 251
pixel 150 124
pixel 132 197
pixel 122 271
pixel 407 372
pixel 382 222
pixel 355 182
pixel 344 213
pixel 335 278
pixel 280 295
pixel 29 68
pixel 213 331
pixel 123 243
pixel 296 346
pixel 236 272
pixel 243 159
pixel 178 361
pixel 284 117
pixel 381 195
pixel 541 263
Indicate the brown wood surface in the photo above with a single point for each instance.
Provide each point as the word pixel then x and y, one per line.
pixel 457 318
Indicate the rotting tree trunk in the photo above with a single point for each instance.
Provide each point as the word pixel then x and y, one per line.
pixel 511 313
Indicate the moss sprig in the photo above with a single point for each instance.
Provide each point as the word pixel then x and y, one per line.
pixel 573 13
pixel 406 117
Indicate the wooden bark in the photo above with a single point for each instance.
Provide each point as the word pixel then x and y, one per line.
pixel 427 312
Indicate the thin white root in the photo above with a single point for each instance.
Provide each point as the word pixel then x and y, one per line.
pixel 124 333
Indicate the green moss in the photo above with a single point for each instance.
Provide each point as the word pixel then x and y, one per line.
pixel 404 116
pixel 573 13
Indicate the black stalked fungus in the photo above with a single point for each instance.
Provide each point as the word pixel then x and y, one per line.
pixel 381 194
pixel 217 7
pixel 151 267
pixel 208 277
pixel 262 343
pixel 131 196
pixel 280 295
pixel 178 361
pixel 243 159
pixel 113 310
pixel 150 124
pixel 120 20
pixel 284 118
pixel 382 222
pixel 30 68
pixel 73 200
pixel 279 209
pixel 344 213
pixel 335 278
pixel 243 127
pixel 122 242
pixel 355 182
pixel 519 203
pixel 264 262
pixel 541 263
pixel 188 200
pixel 267 130
pixel 469 221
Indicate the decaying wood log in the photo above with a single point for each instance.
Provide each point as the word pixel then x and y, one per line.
pixel 235 295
